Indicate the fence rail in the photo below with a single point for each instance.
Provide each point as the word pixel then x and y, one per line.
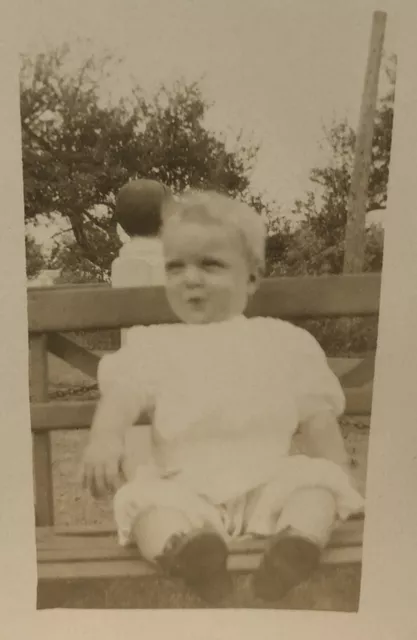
pixel 100 307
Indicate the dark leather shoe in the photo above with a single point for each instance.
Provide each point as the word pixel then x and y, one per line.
pixel 200 559
pixel 288 560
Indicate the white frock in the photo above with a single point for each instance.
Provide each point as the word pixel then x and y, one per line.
pixel 226 399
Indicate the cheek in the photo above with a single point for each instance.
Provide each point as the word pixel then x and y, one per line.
pixel 220 283
pixel 227 292
pixel 172 289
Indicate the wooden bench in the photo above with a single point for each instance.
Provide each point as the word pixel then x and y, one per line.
pixel 92 552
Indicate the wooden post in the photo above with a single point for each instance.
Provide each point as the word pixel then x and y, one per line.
pixel 355 228
pixel 42 459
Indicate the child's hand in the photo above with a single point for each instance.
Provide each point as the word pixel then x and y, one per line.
pixel 101 467
pixel 352 478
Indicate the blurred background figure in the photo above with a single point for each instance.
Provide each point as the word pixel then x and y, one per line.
pixel 139 264
pixel 138 213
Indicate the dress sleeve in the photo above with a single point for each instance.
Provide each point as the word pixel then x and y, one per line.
pixel 317 387
pixel 128 372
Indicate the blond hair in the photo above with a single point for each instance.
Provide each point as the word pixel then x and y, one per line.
pixel 213 207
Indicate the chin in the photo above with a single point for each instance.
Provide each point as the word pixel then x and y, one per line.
pixel 188 317
pixel 197 319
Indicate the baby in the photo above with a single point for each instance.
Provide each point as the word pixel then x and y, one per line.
pixel 227 394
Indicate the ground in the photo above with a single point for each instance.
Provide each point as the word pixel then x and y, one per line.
pixel 333 588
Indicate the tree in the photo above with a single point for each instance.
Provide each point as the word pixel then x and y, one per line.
pixel 34 259
pixel 71 261
pixel 317 246
pixel 80 148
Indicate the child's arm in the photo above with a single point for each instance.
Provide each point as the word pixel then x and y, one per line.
pixel 320 400
pixel 123 381
pixel 323 439
pixel 101 467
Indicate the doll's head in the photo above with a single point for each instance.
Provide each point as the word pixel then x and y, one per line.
pixel 139 207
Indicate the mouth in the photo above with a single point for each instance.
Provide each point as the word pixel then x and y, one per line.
pixel 195 301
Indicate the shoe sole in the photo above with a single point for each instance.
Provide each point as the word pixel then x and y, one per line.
pixel 202 564
pixel 287 562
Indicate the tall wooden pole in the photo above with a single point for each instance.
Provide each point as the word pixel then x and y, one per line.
pixel 356 218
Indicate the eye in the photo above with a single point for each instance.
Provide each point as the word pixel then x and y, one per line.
pixel 212 263
pixel 173 266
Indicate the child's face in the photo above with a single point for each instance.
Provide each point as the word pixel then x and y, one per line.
pixel 207 274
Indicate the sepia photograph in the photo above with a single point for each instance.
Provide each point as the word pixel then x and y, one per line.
pixel 205 199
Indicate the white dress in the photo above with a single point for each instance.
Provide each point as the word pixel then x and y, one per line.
pixel 226 399
pixel 140 263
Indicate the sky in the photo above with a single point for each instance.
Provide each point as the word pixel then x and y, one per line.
pixel 279 70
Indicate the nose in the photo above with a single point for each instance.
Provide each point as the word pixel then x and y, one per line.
pixel 192 276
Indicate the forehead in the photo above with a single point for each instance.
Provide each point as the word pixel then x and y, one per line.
pixel 198 236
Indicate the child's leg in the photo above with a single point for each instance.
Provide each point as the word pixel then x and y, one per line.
pixel 293 553
pixel 197 555
pixel 309 512
pixel 153 529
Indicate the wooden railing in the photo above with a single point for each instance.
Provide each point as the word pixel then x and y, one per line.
pixel 56 310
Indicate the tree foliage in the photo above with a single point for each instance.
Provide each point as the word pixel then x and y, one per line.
pixel 34 259
pixel 317 246
pixel 80 148
pixel 80 145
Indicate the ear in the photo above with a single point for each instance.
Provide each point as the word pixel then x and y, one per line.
pixel 254 282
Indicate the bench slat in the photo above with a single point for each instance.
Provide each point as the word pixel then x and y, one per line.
pixel 42 458
pixel 70 553
pixel 57 539
pixel 109 550
pixel 360 375
pixel 140 568
pixel 243 563
pixel 93 570
pixel 76 356
pixel 84 308
pixel 71 414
